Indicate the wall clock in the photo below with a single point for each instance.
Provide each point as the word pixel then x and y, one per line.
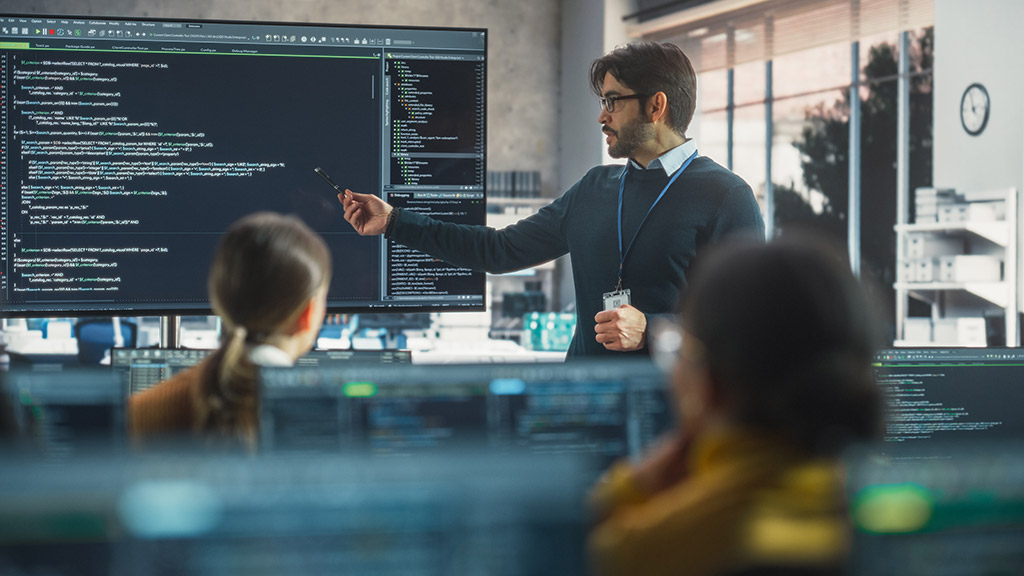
pixel 974 109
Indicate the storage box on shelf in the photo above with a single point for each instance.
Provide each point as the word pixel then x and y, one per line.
pixel 960 257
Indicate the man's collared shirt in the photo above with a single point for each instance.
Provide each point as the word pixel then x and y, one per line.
pixel 670 161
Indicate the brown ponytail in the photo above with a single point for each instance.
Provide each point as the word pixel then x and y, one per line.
pixel 264 273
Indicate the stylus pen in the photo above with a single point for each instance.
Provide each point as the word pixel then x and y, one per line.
pixel 329 181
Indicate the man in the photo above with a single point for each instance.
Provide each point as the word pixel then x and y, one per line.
pixel 632 232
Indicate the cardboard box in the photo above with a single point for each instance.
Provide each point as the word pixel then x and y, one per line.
pixel 986 211
pixel 945 331
pixel 947 268
pixel 917 329
pixel 976 268
pixel 982 195
pixel 905 272
pixel 927 202
pixel 952 213
pixel 971 332
pixel 926 270
pixel 931 245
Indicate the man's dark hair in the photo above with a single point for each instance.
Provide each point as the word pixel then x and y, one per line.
pixel 649 68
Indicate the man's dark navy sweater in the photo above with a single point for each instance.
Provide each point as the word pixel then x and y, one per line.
pixel 706 203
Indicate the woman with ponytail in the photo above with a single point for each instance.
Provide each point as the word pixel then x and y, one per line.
pixel 772 377
pixel 268 283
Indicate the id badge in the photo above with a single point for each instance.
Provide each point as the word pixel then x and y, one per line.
pixel 613 300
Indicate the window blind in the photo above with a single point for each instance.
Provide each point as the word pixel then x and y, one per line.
pixel 766 29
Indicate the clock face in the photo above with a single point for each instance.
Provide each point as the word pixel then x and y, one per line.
pixel 974 107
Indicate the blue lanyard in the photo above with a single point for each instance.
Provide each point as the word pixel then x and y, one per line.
pixel 622 187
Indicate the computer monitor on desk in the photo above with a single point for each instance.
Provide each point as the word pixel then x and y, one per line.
pixel 961 513
pixel 146 367
pixel 944 492
pixel 438 514
pixel 937 397
pixel 338 358
pixel 60 413
pixel 608 409
pixel 143 368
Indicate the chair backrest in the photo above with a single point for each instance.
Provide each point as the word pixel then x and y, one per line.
pixel 57 328
pixel 96 336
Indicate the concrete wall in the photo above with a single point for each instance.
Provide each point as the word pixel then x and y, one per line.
pixel 582 144
pixel 590 28
pixel 978 42
pixel 523 68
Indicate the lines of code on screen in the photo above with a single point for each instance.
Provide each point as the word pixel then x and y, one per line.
pixel 933 402
pixel 128 168
pixel 126 160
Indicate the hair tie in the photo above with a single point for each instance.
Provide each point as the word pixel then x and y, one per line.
pixel 256 337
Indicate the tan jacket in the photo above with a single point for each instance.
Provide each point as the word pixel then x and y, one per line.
pixel 750 502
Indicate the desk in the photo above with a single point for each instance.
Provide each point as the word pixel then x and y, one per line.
pixel 483 351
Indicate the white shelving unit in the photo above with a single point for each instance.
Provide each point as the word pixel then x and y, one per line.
pixel 999 238
pixel 514 210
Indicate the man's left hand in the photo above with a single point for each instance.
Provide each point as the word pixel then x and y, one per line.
pixel 622 329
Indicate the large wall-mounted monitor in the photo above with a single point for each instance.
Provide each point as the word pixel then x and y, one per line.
pixel 130 145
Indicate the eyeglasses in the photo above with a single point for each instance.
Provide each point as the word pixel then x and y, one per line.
pixel 608 102
pixel 665 337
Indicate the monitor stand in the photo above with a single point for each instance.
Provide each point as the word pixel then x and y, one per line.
pixel 170 332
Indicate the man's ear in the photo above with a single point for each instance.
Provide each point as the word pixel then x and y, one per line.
pixel 657 107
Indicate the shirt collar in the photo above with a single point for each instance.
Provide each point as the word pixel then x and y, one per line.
pixel 267 355
pixel 670 161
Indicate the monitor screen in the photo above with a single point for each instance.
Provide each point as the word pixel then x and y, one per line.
pixel 132 144
pixel 938 397
pixel 606 409
pixel 469 512
pixel 145 367
pixel 962 513
pixel 60 413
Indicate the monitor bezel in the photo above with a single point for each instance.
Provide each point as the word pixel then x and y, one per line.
pixel 332 308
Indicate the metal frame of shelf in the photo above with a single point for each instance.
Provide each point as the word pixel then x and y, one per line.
pixel 1004 294
pixel 508 328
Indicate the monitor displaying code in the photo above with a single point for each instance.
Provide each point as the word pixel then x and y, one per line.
pixel 143 368
pixel 60 414
pixel 608 410
pixel 941 397
pixel 131 145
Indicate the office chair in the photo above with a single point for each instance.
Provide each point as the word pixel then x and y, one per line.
pixel 57 328
pixel 96 337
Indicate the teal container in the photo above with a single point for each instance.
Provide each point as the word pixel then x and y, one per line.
pixel 548 331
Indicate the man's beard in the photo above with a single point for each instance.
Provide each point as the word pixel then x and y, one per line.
pixel 631 137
